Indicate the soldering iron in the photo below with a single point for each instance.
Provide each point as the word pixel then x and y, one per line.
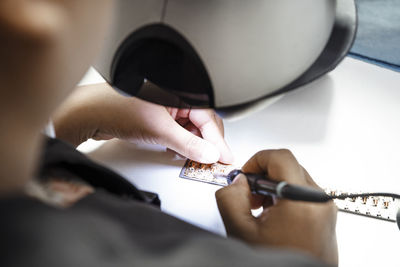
pixel 260 184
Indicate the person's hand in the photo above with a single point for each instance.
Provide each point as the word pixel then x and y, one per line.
pixel 98 112
pixel 309 227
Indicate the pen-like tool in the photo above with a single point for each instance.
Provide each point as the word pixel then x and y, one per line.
pixel 260 184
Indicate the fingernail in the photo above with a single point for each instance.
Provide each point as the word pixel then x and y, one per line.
pixel 227 157
pixel 210 154
pixel 237 178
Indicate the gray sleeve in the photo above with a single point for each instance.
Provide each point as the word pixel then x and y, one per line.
pixel 103 231
pixel 210 251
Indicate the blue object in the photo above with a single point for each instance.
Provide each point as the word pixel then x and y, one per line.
pixel 378 34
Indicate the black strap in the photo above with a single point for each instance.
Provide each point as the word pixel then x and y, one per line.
pixel 58 155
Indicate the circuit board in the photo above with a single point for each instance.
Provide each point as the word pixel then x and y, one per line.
pixel 206 173
pixel 384 208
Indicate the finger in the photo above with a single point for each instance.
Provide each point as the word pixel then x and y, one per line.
pixel 268 202
pixel 193 129
pixel 256 201
pixel 172 111
pixel 182 121
pixel 310 180
pixel 234 204
pixel 188 144
pixel 206 122
pixel 279 165
pixel 220 124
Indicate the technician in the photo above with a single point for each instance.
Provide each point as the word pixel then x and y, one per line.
pixel 61 209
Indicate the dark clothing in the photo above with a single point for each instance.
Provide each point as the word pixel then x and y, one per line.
pixel 61 159
pixel 110 228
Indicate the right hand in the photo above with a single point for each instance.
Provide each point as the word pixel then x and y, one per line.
pixel 305 226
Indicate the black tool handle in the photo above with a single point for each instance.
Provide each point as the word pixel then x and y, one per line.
pixel 302 193
pixel 261 185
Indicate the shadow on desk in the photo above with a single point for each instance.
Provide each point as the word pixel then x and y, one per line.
pixel 117 152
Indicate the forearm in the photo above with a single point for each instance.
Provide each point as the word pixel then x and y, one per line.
pixel 76 120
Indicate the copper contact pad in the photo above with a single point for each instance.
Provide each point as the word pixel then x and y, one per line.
pixel 206 172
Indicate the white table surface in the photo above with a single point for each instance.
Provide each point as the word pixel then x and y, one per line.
pixel 345 130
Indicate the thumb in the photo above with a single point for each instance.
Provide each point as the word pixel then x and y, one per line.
pixel 189 145
pixel 234 204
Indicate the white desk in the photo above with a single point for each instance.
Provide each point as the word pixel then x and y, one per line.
pixel 345 129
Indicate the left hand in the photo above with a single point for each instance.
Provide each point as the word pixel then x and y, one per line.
pixel 98 112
